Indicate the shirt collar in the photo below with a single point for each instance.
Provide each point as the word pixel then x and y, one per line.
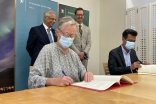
pixel 45 26
pixel 79 24
pixel 123 50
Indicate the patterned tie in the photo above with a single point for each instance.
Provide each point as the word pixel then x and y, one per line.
pixel 49 35
pixel 80 30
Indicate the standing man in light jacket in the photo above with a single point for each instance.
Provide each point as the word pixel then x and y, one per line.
pixel 82 41
pixel 41 35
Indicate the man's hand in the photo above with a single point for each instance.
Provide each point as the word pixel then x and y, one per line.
pixel 81 55
pixel 146 63
pixel 88 76
pixel 62 81
pixel 81 58
pixel 135 65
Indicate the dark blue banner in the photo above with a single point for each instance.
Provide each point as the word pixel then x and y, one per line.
pixel 29 13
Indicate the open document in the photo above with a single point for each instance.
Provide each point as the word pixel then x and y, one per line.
pixel 103 82
pixel 147 69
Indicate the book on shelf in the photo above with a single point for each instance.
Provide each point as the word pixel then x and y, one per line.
pixel 147 69
pixel 104 82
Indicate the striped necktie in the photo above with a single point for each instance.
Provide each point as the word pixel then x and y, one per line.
pixel 49 35
pixel 80 30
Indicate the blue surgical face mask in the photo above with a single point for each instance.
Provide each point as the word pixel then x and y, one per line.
pixel 66 42
pixel 129 45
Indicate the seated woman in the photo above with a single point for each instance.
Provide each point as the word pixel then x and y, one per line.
pixel 57 57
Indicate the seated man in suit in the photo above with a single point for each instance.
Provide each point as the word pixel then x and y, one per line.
pixel 123 59
pixel 41 35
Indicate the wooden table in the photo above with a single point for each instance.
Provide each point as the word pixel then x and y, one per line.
pixel 144 92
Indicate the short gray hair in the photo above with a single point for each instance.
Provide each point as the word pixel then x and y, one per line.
pixel 65 22
pixel 47 13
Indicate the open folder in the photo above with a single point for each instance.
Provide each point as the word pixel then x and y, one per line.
pixel 147 69
pixel 103 82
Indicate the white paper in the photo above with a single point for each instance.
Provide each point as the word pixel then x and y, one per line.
pixel 147 69
pixel 97 85
pixel 100 82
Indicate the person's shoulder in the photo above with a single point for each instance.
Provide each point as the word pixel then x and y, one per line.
pixel 72 52
pixel 132 50
pixel 49 46
pixel 85 26
pixel 53 30
pixel 115 49
pixel 37 26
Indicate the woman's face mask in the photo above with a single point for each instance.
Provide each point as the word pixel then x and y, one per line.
pixel 66 42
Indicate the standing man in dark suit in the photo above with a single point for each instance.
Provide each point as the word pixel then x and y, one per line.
pixel 82 41
pixel 41 35
pixel 123 59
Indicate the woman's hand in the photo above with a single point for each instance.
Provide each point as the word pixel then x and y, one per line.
pixel 88 76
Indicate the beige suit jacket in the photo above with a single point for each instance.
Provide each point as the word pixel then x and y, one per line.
pixel 85 41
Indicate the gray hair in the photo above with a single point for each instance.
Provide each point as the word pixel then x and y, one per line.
pixel 65 22
pixel 47 13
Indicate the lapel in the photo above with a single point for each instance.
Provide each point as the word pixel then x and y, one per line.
pixel 121 55
pixel 83 30
pixel 44 33
pixel 53 31
pixel 54 35
pixel 131 56
pixel 78 33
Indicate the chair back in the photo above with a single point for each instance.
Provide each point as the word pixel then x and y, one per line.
pixel 106 70
pixel 30 67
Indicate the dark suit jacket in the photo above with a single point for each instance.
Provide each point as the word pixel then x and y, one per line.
pixel 116 61
pixel 37 39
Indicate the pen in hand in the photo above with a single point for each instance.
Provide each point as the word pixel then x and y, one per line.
pixel 70 81
pixel 64 73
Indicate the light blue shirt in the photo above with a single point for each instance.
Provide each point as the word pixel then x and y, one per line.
pixel 126 56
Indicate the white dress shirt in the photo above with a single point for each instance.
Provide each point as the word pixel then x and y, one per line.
pixel 46 28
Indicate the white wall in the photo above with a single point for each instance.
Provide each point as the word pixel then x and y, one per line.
pixel 112 24
pixel 94 19
pixel 134 3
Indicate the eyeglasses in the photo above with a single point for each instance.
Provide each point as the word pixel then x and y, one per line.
pixel 67 35
pixel 80 15
pixel 53 19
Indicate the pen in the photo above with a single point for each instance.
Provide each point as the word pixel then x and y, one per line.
pixel 64 73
